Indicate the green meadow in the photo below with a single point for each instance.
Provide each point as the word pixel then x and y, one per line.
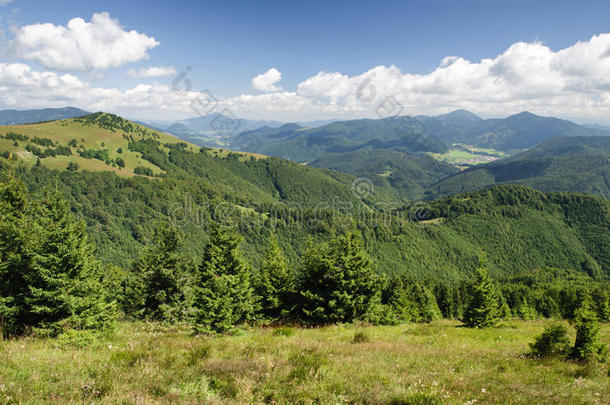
pixel 436 363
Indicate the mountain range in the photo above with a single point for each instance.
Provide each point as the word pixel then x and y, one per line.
pixel 409 134
pixel 16 117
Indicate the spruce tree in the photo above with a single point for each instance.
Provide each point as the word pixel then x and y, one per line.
pixel 223 293
pixel 14 262
pixel 156 288
pixel 339 282
pixel 486 306
pixel 64 288
pixel 276 285
pixel 588 345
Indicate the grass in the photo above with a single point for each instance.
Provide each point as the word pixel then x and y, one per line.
pixel 407 364
pixel 91 137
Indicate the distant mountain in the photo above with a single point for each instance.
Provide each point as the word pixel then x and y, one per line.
pixel 216 130
pixel 17 117
pixel 406 173
pixel 294 142
pixel 514 133
pixel 580 164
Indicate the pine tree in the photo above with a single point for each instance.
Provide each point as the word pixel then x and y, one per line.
pixel 276 285
pixel 63 281
pixel 339 282
pixel 223 294
pixel 486 306
pixel 14 262
pixel 588 345
pixel 156 288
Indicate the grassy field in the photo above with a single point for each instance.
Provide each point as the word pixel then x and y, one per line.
pixel 407 364
pixel 467 155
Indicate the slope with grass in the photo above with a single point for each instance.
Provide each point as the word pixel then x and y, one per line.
pixel 95 142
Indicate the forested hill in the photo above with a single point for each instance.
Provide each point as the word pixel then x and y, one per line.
pixel 294 142
pixel 161 178
pixel 408 174
pixel 519 229
pixel 559 164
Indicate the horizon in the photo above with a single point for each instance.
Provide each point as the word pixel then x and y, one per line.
pixel 307 63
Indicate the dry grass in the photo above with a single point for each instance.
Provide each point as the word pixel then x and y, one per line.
pixel 435 363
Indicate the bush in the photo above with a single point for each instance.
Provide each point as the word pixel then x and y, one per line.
pixel 287 332
pixel 360 337
pixel 143 171
pixel 552 342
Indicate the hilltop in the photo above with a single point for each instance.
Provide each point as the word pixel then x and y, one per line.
pixel 94 142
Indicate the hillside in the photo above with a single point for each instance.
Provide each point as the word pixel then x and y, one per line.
pixel 95 142
pixel 406 173
pixel 559 164
pixel 302 144
pixel 16 117
pixel 518 228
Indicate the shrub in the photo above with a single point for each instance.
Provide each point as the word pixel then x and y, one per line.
pixel 360 337
pixel 143 171
pixel 552 342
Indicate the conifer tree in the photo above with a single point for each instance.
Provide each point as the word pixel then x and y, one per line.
pixel 411 301
pixel 14 262
pixel 276 285
pixel 63 281
pixel 339 282
pixel 486 306
pixel 588 345
pixel 223 293
pixel 157 287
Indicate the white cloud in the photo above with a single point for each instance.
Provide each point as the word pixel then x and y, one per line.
pixel 151 72
pixel 80 45
pixel 573 83
pixel 267 81
pixel 5 2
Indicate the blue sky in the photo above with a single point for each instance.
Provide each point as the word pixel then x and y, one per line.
pixel 227 44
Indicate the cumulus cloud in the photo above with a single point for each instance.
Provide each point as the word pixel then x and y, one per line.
pixel 267 81
pixel 151 72
pixel 80 45
pixel 573 83
pixel 5 2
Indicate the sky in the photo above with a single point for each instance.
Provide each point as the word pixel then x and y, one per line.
pixel 298 61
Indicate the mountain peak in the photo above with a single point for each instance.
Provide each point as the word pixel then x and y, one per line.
pixel 461 115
